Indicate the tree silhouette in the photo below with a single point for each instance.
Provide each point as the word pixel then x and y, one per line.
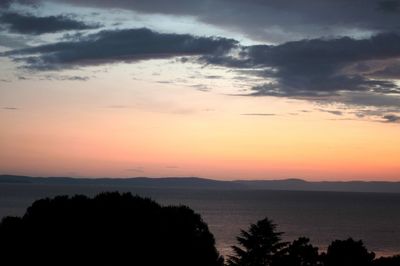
pixel 387 261
pixel 110 229
pixel 348 253
pixel 260 245
pixel 121 229
pixel 299 253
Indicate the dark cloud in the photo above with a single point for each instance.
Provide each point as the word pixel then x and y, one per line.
pixel 370 99
pixel 391 71
pixel 333 112
pixel 391 118
pixel 119 46
pixel 325 69
pixel 5 3
pixel 212 77
pixel 31 24
pixel 389 6
pixel 274 20
pixel 201 87
pixel 318 68
pixel 10 108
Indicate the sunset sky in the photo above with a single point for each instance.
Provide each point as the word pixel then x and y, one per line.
pixel 221 89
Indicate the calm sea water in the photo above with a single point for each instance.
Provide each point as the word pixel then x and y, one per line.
pixel 321 216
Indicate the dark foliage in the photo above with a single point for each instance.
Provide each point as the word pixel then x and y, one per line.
pixel 109 229
pixel 260 245
pixel 348 253
pixel 299 253
pixel 387 261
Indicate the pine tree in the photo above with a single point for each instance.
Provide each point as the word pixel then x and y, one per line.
pixel 259 245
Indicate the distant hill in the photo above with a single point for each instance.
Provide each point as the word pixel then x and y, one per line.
pixel 202 183
pixel 167 182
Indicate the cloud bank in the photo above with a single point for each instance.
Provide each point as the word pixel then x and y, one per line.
pixel 324 67
pixel 31 24
pixel 319 50
pixel 274 21
pixel 125 45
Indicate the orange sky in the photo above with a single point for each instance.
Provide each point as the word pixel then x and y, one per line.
pixel 140 127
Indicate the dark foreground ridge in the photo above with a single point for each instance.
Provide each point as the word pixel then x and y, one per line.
pixel 109 229
pixel 202 183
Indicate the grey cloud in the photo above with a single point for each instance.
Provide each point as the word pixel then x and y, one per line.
pixel 331 70
pixel 118 46
pixel 375 112
pixel 370 99
pixel 10 108
pixel 389 6
pixel 200 87
pixel 318 69
pixel 70 78
pixel 275 20
pixel 315 67
pixel 5 3
pixel 391 71
pixel 8 3
pixel 13 41
pixel 391 118
pixel 333 112
pixel 212 77
pixel 31 24
pixel 355 72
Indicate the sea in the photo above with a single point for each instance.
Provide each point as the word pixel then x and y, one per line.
pixel 321 216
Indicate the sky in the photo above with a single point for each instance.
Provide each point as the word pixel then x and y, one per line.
pixel 221 89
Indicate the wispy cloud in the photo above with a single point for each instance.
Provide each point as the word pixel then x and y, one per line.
pixel 259 114
pixel 333 112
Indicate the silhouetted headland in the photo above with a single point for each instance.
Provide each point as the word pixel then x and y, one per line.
pixel 202 183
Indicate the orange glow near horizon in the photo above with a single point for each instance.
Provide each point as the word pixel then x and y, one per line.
pixel 92 129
